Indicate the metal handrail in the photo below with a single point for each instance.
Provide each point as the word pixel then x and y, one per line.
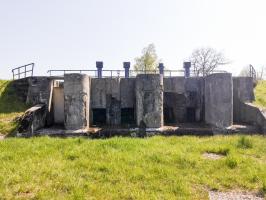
pixel 17 71
pixel 132 73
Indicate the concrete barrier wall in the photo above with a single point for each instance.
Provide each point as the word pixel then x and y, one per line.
pixel 253 115
pixel 127 92
pixel 149 100
pixel 219 100
pixel 77 101
pixel 181 94
pixel 242 92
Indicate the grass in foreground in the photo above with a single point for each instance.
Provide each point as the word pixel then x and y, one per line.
pixel 10 108
pixel 128 168
pixel 260 94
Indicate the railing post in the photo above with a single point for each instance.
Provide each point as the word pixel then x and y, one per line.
pixel 187 66
pixel 99 66
pixel 126 66
pixel 32 69
pixel 161 68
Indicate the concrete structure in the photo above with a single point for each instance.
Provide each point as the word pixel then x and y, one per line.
pixel 149 100
pixel 219 100
pixel 77 101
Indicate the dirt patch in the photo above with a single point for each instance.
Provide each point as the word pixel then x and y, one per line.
pixel 215 195
pixel 212 156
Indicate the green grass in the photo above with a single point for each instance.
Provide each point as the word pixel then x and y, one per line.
pixel 10 107
pixel 260 94
pixel 129 168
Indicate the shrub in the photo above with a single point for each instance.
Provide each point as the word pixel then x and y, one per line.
pixel 244 143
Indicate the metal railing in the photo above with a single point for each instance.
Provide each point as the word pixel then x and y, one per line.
pixel 23 71
pixel 115 73
pixel 121 73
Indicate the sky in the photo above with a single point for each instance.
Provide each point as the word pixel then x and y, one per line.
pixel 74 34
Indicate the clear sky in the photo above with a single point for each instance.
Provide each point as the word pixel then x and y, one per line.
pixel 57 34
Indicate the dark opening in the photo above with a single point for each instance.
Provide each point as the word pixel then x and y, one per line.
pixel 99 116
pixel 127 116
pixel 191 115
pixel 168 115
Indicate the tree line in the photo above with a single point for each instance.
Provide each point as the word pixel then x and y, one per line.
pixel 204 61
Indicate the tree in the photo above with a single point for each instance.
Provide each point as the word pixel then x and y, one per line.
pixel 148 60
pixel 205 60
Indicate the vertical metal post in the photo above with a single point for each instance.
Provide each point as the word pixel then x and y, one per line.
pixel 99 66
pixel 32 69
pixel 187 66
pixel 126 66
pixel 18 73
pixel 161 68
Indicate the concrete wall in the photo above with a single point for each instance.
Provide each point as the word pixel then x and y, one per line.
pixel 251 114
pixel 76 101
pixel 219 100
pixel 58 105
pixel 182 93
pixel 149 100
pixel 242 92
pixel 105 93
pixel 127 92
pixel 40 92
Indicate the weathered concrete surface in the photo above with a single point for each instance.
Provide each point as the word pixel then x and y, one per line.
pixel 251 114
pixel 33 119
pixel 181 94
pixel 242 92
pixel 219 100
pixel 149 100
pixel 76 101
pixel 127 92
pixel 21 86
pixel 40 92
pixel 105 93
pixel 58 105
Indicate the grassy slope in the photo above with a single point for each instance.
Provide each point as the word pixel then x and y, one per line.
pixel 128 168
pixel 10 108
pixel 260 94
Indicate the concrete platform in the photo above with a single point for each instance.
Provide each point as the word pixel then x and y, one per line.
pixel 178 130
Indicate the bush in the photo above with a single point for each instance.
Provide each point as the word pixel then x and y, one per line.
pixel 244 143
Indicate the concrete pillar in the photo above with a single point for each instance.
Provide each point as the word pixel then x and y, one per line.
pixel 99 66
pixel 187 66
pixel 161 68
pixel 77 101
pixel 219 100
pixel 126 67
pixel 149 100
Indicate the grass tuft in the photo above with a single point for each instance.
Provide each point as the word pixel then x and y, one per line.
pixel 231 162
pixel 244 143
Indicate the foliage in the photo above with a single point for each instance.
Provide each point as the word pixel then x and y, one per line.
pixel 148 60
pixel 260 94
pixel 128 168
pixel 205 60
pixel 10 107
